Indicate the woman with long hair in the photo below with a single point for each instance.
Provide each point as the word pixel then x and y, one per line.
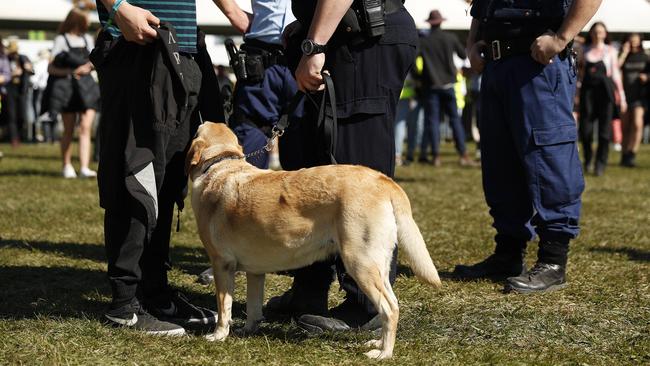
pixel 634 63
pixel 72 90
pixel 601 88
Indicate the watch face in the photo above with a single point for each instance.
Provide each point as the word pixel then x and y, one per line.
pixel 307 47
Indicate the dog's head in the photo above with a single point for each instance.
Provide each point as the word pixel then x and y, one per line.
pixel 213 140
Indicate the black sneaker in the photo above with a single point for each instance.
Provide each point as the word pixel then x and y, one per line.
pixel 346 316
pixel 180 311
pixel 137 318
pixel 493 266
pixel 317 324
pixel 296 303
pixel 352 314
pixel 542 277
pixel 206 277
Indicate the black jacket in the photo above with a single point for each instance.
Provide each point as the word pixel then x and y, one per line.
pixel 437 50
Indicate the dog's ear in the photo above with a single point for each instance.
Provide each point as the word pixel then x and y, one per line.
pixel 193 157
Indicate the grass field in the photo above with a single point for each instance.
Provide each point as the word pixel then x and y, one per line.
pixel 53 288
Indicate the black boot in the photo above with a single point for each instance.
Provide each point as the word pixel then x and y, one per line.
pixel 507 260
pixel 625 157
pixel 542 277
pixel 628 159
pixel 296 302
pixel 548 274
pixel 346 316
pixel 308 293
pixel 599 171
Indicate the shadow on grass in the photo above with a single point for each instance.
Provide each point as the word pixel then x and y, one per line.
pixel 632 253
pixel 67 292
pixel 29 172
pixel 53 157
pixel 96 252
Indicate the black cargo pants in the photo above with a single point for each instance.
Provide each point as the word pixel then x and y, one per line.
pixel 368 79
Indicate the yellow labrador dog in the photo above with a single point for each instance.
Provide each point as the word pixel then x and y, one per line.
pixel 261 221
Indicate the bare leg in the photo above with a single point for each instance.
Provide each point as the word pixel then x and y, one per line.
pixel 626 127
pixel 69 120
pixel 85 125
pixel 224 280
pixel 636 131
pixel 254 301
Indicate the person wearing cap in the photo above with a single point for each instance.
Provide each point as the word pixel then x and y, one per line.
pixel 532 175
pixel 437 87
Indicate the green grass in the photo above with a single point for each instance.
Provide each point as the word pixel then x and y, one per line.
pixel 53 288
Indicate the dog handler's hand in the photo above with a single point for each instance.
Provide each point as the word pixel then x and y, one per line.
pixel 308 73
pixel 136 24
pixel 546 46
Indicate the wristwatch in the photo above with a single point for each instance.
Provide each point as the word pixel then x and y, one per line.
pixel 309 47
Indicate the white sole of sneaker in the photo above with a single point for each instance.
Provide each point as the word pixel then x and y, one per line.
pixel 167 333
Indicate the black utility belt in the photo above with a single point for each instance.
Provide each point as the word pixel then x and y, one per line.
pixel 250 62
pixel 365 20
pixel 498 49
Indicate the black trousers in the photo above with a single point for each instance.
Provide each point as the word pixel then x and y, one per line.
pixel 15 107
pixel 137 249
pixel 368 79
pixel 596 107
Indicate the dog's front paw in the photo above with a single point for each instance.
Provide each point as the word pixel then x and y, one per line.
pixel 375 343
pixel 377 354
pixel 219 334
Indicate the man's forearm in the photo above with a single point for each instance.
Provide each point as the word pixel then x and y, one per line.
pixel 580 13
pixel 229 8
pixel 237 17
pixel 327 17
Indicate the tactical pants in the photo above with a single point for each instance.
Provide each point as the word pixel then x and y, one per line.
pixel 368 79
pixel 261 103
pixel 532 176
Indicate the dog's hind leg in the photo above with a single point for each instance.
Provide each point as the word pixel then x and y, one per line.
pixel 224 280
pixel 254 301
pixel 368 275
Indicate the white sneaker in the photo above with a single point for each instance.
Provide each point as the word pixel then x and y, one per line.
pixel 68 172
pixel 87 173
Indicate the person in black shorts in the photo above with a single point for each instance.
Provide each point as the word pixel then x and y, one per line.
pixel 635 66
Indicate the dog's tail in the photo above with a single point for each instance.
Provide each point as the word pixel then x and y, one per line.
pixel 410 239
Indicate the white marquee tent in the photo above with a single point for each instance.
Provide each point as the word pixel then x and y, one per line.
pixel 619 15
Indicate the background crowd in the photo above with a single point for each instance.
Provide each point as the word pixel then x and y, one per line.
pixel 613 95
pixel 50 98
